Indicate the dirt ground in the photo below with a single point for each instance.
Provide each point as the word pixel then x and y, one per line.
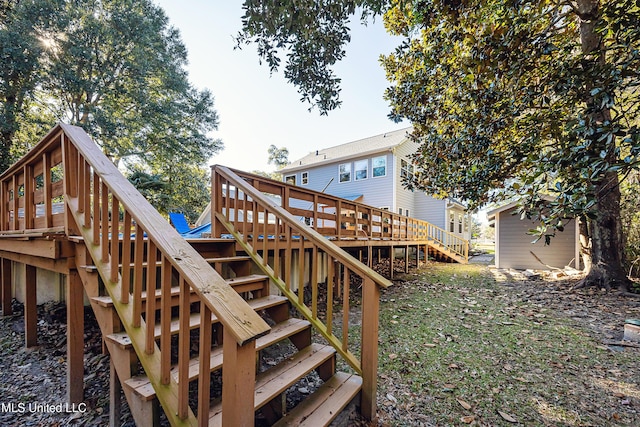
pixel 37 375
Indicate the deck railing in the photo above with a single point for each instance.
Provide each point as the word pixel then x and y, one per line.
pixel 290 252
pixel 337 218
pixel 101 208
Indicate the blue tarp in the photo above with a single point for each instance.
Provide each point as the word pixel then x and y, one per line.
pixel 196 232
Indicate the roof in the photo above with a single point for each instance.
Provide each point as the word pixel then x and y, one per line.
pixel 508 205
pixel 367 146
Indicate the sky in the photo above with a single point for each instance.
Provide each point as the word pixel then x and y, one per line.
pixel 257 109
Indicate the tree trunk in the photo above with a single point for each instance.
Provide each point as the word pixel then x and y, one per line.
pixel 607 239
pixel 5 149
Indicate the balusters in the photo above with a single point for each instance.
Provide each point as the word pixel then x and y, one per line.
pixel 314 281
pixel 137 279
pixel 265 237
pixel 126 258
pixel 330 279
pixel 204 376
pixel 346 280
pixel 165 320
pixel 96 208
pixel 115 238
pixel 184 343
pixel 150 318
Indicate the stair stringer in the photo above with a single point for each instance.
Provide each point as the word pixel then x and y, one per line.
pixel 167 394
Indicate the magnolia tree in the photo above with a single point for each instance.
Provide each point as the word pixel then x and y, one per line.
pixel 506 97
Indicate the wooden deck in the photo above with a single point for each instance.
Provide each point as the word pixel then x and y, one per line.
pixel 65 208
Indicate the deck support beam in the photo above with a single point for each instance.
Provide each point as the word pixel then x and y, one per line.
pixel 30 307
pixel 75 338
pixel 5 286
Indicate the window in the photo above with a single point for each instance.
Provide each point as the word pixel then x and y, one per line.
pixel 406 169
pixel 407 213
pixel 360 169
pixel 452 222
pixel 379 166
pixel 460 223
pixel 290 179
pixel 345 172
pixel 400 211
pixel 305 178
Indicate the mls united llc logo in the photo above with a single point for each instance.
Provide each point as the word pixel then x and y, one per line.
pixel 21 407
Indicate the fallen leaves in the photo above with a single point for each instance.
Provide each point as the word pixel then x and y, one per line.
pixel 468 419
pixel 464 404
pixel 507 417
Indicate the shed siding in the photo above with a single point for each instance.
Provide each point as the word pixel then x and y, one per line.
pixel 515 247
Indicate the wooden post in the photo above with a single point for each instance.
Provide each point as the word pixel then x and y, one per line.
pixel 406 259
pixel 370 309
pixel 30 309
pixel 75 338
pixel 115 401
pixel 238 382
pixel 5 290
pixel 391 255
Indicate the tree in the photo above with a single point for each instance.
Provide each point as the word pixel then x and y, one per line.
pixel 531 97
pixel 117 69
pixel 278 156
pixel 23 24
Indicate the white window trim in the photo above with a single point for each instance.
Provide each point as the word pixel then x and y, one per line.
pixel 302 178
pixel 340 181
pixel 373 166
pixel 286 179
pixel 355 170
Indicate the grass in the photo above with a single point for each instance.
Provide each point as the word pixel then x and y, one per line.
pixel 457 348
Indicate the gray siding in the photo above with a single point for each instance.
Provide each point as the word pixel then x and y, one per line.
pixel 515 247
pixel 377 192
pixel 404 198
pixel 430 209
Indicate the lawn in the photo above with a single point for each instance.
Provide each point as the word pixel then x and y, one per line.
pixel 460 347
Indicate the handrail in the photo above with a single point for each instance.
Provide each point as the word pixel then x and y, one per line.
pixel 335 217
pixel 102 207
pixel 272 242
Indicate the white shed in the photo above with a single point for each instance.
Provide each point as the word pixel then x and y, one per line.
pixel 515 248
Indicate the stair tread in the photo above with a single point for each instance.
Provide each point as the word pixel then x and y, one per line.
pixel 279 332
pixel 106 300
pixel 236 258
pixel 276 380
pixel 324 405
pixel 251 278
pixel 123 340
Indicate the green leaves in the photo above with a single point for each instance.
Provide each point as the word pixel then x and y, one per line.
pixel 117 69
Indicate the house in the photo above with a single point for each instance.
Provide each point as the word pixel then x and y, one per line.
pixel 370 171
pixel 517 249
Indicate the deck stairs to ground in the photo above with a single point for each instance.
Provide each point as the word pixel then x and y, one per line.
pixel 290 339
pixel 211 331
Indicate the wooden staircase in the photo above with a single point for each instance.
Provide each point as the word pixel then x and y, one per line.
pixel 190 325
pixel 301 358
